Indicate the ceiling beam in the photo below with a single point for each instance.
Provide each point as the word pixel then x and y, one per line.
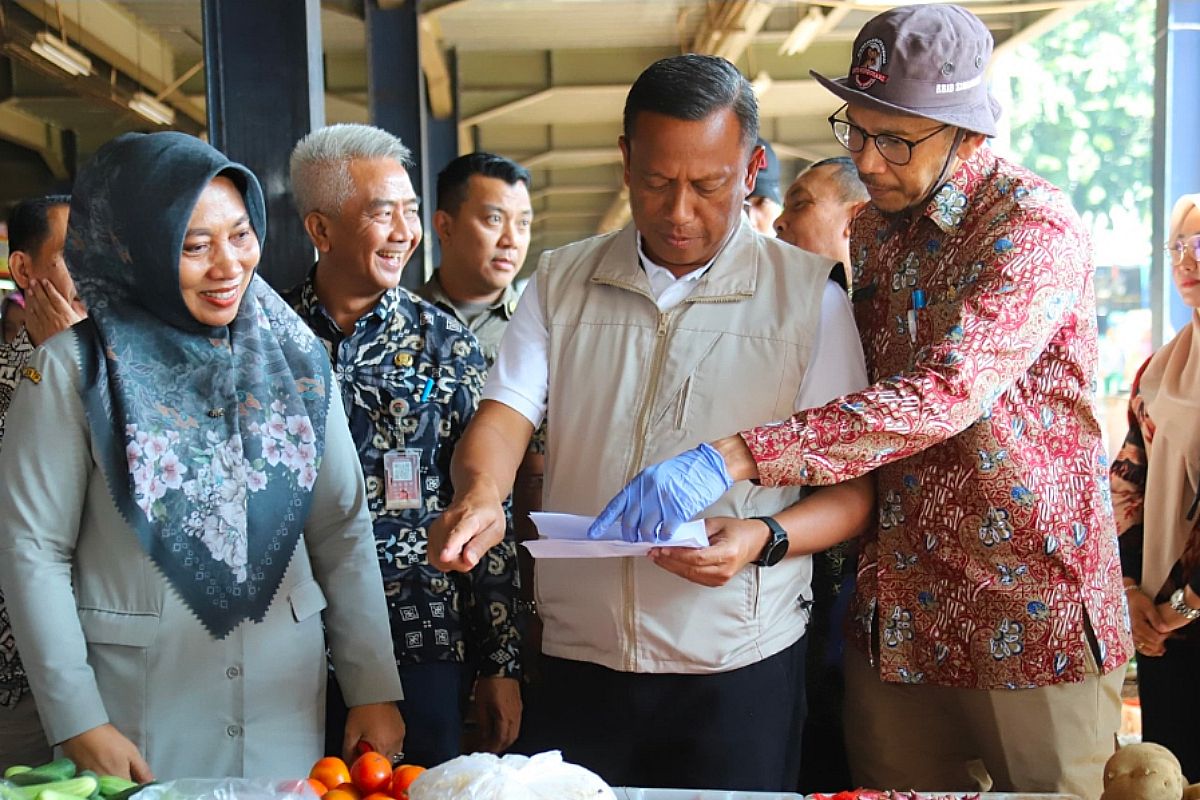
pixel 33 134
pixel 573 157
pixel 440 89
pixel 106 30
pixel 977 10
pixel 729 27
pixel 571 189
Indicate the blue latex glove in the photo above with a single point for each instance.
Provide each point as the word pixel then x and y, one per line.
pixel 662 497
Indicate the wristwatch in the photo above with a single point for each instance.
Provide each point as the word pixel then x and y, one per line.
pixel 777 545
pixel 1179 606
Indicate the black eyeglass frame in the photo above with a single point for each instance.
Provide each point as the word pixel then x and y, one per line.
pixel 850 126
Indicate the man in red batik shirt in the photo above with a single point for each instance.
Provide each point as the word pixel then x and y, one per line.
pixel 991 626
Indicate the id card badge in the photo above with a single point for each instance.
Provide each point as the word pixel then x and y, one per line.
pixel 402 479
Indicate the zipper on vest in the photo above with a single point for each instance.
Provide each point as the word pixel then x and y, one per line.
pixel 660 349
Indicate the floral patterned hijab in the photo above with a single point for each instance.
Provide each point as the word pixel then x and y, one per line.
pixel 210 438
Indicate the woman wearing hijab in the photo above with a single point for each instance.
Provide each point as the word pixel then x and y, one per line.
pixel 1156 492
pixel 182 500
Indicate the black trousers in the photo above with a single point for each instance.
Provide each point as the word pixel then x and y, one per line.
pixel 1169 690
pixel 735 730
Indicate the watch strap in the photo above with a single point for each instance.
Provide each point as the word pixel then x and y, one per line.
pixel 778 540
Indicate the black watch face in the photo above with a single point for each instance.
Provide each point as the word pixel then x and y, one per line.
pixel 776 550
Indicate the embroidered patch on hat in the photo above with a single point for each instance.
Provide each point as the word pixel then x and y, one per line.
pixel 869 63
pixel 32 375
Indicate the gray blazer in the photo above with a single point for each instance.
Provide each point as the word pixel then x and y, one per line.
pixel 104 638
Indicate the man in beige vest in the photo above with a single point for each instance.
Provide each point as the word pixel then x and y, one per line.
pixel 684 668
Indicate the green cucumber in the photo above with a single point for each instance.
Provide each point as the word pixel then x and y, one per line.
pixel 111 785
pixel 87 773
pixel 80 787
pixel 60 769
pixel 16 769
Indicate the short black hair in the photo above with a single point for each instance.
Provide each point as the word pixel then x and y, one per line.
pixel 453 179
pixel 850 187
pixel 29 222
pixel 691 87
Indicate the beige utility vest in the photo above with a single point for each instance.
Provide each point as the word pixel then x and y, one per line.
pixel 630 386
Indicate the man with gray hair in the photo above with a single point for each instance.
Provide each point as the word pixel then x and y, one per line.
pixel 410 378
pixel 819 207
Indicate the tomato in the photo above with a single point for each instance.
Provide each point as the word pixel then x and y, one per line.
pixel 402 778
pixel 341 794
pixel 378 796
pixel 302 787
pixel 371 772
pixel 348 788
pixel 330 771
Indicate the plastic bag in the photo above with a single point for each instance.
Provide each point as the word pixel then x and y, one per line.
pixel 228 789
pixel 483 776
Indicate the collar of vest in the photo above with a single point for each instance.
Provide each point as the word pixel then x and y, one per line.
pixel 732 276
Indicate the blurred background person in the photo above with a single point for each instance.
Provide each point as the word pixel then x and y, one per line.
pixel 37 230
pixel 765 201
pixel 41 307
pixel 12 316
pixel 185 527
pixel 484 221
pixel 818 209
pixel 1156 491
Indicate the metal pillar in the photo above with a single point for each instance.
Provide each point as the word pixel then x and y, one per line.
pixel 1176 158
pixel 266 89
pixel 396 102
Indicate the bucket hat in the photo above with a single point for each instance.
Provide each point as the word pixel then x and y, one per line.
pixel 926 60
pixel 767 184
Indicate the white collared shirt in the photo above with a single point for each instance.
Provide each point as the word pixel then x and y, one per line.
pixel 520 378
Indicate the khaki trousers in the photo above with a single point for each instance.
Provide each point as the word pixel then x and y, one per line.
pixel 930 738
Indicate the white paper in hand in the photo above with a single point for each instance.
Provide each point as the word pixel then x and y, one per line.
pixel 565 536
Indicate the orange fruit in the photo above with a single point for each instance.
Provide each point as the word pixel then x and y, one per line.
pixel 402 778
pixel 371 772
pixel 348 788
pixel 331 771
pixel 378 796
pixel 341 794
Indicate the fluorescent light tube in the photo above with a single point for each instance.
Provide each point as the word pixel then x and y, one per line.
pixel 61 54
pixel 152 109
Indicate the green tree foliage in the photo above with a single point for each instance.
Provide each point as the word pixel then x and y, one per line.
pixel 1083 108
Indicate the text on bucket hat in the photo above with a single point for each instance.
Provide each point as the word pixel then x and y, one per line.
pixel 925 60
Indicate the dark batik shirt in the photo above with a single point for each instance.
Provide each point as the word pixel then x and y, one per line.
pixel 13 358
pixel 410 377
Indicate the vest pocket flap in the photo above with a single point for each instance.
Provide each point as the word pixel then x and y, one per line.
pixel 116 627
pixel 307 599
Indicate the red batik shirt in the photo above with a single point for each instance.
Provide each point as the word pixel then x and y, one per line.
pixel 995 537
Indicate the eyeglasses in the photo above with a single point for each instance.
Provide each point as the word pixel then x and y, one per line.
pixel 1184 247
pixel 894 149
